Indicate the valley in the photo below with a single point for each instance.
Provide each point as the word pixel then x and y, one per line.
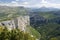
pixel 41 24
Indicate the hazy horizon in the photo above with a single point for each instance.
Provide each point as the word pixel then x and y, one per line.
pixel 31 3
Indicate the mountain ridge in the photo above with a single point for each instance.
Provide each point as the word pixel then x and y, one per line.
pixel 43 9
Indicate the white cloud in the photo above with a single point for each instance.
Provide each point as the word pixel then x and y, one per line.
pixel 25 3
pixel 47 4
pixel 29 4
pixel 16 0
pixel 43 3
pixel 13 3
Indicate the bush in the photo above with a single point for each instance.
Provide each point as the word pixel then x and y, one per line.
pixel 14 34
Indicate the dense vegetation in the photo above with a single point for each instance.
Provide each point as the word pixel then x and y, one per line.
pixel 34 32
pixel 47 23
pixel 8 13
pixel 14 34
pixel 49 31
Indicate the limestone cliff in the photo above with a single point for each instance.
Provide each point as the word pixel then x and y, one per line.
pixel 20 22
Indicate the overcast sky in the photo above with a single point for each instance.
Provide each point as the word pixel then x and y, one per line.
pixel 31 3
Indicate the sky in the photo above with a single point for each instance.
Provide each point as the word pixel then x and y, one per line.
pixel 31 3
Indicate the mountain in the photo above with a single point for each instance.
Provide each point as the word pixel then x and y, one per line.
pixel 44 9
pixel 46 21
pixel 7 12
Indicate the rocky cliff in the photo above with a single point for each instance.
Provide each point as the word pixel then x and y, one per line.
pixel 20 22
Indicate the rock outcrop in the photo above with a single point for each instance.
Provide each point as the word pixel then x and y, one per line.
pixel 20 22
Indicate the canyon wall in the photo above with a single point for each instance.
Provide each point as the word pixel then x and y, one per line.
pixel 20 22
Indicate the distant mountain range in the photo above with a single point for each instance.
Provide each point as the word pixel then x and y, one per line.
pixel 7 12
pixel 44 9
pixel 10 12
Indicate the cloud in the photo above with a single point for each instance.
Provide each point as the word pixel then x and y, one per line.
pixel 16 0
pixel 32 3
pixel 25 3
pixel 48 4
pixel 53 1
pixel 12 3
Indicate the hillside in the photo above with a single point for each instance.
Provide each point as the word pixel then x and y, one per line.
pixel 7 12
pixel 17 17
pixel 15 34
pixel 46 23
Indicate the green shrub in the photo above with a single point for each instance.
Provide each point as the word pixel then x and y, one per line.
pixel 14 34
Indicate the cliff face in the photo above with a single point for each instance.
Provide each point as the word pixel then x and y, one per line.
pixel 20 22
pixel 23 22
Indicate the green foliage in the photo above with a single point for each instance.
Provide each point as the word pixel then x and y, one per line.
pixel 34 32
pixel 7 13
pixel 53 39
pixel 47 15
pixel 14 34
pixel 49 31
pixel 28 38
